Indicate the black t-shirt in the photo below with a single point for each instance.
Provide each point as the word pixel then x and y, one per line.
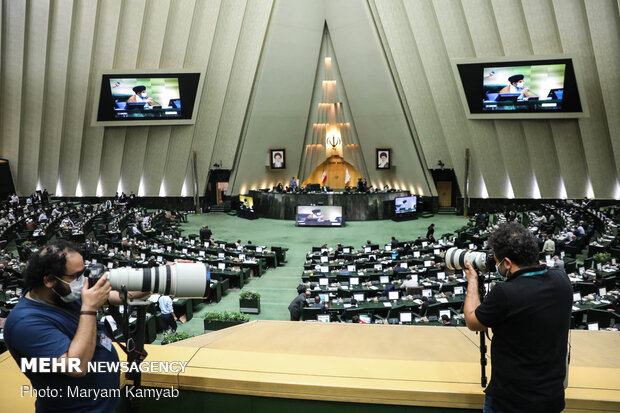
pixel 530 318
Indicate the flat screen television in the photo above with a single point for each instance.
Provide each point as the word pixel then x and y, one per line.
pixel 319 216
pixel 142 98
pixel 247 202
pixel 405 204
pixel 513 88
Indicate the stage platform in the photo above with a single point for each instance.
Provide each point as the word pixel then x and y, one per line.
pixel 354 363
pixel 355 206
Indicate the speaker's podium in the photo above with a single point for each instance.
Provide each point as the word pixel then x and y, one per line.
pixel 277 366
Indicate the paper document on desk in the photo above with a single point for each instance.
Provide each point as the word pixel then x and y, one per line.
pixel 175 300
pixel 346 305
pixel 605 301
pixel 387 304
pixel 372 287
pixel 344 287
pixel 576 308
pixel 442 300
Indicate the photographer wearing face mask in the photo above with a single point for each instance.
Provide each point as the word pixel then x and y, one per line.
pixel 57 319
pixel 530 317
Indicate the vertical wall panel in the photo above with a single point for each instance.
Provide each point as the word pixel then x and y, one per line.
pixel 575 38
pixel 173 56
pixel 78 70
pixel 542 29
pixel 108 20
pixel 32 100
pixel 158 140
pixel 196 56
pixel 485 149
pixel 155 25
pixel 131 33
pixel 407 50
pixel 457 43
pixel 217 78
pixel 14 18
pixel 54 110
pixel 515 40
pixel 241 79
pixel 542 154
pixel 603 20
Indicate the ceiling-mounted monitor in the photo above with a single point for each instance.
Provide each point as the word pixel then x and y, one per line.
pixel 520 88
pixel 147 97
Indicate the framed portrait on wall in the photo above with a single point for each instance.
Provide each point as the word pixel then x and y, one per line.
pixel 277 158
pixel 384 158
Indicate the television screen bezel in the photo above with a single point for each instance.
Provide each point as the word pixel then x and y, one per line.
pixel 145 73
pixel 408 196
pixel 319 226
pixel 524 61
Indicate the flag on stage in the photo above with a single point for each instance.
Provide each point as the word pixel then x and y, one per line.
pixel 347 177
pixel 324 177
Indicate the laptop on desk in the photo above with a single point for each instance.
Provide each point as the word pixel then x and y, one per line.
pixel 502 97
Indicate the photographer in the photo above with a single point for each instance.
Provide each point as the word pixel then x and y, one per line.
pixel 530 317
pixel 56 318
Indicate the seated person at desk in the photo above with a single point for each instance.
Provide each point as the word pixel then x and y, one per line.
pixel 445 320
pixel 424 306
pixel 140 95
pixel 66 223
pixel 43 217
pixel 558 263
pixel 408 283
pixel 30 225
pixel 317 302
pixel 205 233
pixel 517 85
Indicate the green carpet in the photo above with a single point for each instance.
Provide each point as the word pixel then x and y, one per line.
pixel 277 286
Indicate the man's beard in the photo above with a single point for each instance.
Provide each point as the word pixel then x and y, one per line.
pixel 59 290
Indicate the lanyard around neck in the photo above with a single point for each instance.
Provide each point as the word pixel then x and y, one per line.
pixel 530 274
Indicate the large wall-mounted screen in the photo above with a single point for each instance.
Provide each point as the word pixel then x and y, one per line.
pixel 319 216
pixel 147 98
pixel 405 204
pixel 528 88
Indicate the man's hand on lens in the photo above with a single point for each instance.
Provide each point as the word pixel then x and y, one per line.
pixel 96 296
pixel 470 272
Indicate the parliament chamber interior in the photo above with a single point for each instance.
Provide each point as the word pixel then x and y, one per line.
pixel 282 198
